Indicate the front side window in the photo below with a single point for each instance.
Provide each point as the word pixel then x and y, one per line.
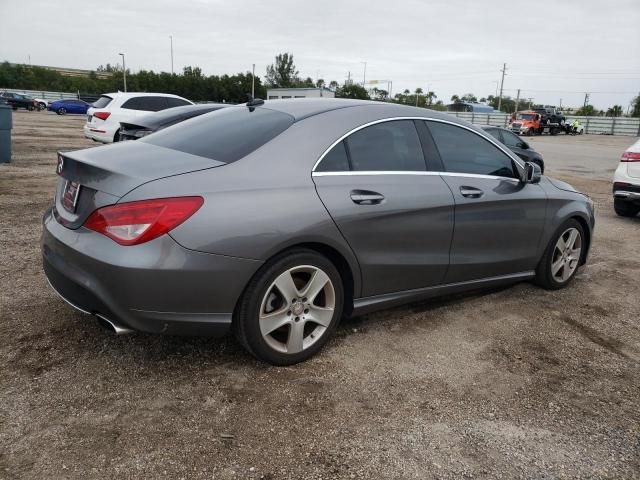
pixel 388 146
pixel 463 151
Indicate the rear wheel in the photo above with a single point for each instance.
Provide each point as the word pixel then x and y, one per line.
pixel 290 308
pixel 561 259
pixel 116 137
pixel 625 209
pixel 61 111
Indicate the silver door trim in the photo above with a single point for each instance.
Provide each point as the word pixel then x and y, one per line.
pixel 488 137
pixel 404 172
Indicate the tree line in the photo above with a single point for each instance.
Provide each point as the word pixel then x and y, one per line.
pixel 191 83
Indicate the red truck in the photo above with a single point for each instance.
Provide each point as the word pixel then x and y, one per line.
pixel 531 122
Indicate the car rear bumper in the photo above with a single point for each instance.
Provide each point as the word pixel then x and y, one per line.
pixel 627 192
pixel 98 133
pixel 156 287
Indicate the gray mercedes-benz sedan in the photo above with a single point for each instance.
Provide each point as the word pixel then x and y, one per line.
pixel 276 219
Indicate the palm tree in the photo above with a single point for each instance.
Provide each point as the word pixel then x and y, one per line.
pixel 614 111
pixel 430 96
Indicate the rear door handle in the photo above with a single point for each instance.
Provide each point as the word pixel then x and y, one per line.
pixel 366 197
pixel 471 192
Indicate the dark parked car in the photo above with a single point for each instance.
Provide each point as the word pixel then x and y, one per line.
pixel 516 144
pixel 17 100
pixel 153 122
pixel 62 107
pixel 275 220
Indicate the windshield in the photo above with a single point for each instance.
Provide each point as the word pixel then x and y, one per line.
pixel 526 116
pixel 225 135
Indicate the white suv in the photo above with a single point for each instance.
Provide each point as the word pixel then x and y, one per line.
pixel 106 113
pixel 626 183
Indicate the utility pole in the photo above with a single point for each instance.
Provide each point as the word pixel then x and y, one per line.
pixel 586 100
pixel 253 80
pixel 517 101
pixel 530 100
pixel 504 70
pixel 560 107
pixel 124 72
pixel 171 37
pixel 348 78
pixel 364 74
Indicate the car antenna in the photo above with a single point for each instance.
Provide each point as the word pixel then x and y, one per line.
pixel 253 102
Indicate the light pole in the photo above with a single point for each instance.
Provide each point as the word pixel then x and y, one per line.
pixel 124 72
pixel 171 37
pixel 364 74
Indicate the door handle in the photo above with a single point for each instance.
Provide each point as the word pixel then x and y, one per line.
pixel 471 192
pixel 366 197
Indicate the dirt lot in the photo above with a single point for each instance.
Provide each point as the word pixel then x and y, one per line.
pixel 515 383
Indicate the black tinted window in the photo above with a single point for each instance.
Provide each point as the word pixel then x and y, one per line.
pixel 335 161
pixel 511 140
pixel 102 102
pixel 463 151
pixel 388 146
pixel 147 104
pixel 176 102
pixel 225 135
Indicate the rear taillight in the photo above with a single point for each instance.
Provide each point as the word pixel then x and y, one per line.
pixel 133 223
pixel 630 157
pixel 102 115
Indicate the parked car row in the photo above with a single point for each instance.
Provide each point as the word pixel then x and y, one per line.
pixel 275 221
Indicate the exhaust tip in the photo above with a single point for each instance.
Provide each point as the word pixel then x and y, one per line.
pixel 112 326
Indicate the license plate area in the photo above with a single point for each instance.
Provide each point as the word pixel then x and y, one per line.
pixel 70 194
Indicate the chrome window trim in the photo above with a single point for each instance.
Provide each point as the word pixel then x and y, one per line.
pixel 488 137
pixel 410 172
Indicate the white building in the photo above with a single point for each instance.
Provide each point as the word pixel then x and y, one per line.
pixel 278 93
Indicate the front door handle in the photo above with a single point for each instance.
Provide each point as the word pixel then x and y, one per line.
pixel 471 192
pixel 366 197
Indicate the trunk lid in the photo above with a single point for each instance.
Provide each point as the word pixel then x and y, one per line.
pixel 96 177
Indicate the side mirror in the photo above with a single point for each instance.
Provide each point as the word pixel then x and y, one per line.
pixel 532 173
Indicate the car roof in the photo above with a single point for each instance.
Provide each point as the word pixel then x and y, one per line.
pixel 301 108
pixel 138 94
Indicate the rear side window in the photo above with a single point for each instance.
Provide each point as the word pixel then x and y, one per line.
pixel 146 104
pixel 463 151
pixel 225 135
pixel 102 102
pixel 335 161
pixel 388 146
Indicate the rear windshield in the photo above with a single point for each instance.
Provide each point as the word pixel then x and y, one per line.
pixel 225 135
pixel 102 102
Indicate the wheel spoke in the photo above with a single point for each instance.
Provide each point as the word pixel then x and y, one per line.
pixel 287 288
pixel 573 235
pixel 566 273
pixel 556 266
pixel 270 322
pixel 321 316
pixel 296 337
pixel 315 285
pixel 561 245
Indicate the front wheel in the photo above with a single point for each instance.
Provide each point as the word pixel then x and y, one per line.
pixel 61 111
pixel 290 308
pixel 561 259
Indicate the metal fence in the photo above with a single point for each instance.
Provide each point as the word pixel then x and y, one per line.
pixel 53 96
pixel 592 125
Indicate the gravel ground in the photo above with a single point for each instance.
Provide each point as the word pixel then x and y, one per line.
pixel 513 383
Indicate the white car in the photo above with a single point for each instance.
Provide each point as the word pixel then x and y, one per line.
pixel 626 183
pixel 41 103
pixel 106 113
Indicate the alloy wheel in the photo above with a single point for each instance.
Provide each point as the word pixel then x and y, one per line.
pixel 566 255
pixel 297 309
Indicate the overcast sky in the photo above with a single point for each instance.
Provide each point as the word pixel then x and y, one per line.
pixel 553 49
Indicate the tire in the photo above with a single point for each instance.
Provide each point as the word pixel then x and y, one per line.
pixel 61 111
pixel 625 209
pixel 548 275
pixel 263 302
pixel 116 137
pixel 42 106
